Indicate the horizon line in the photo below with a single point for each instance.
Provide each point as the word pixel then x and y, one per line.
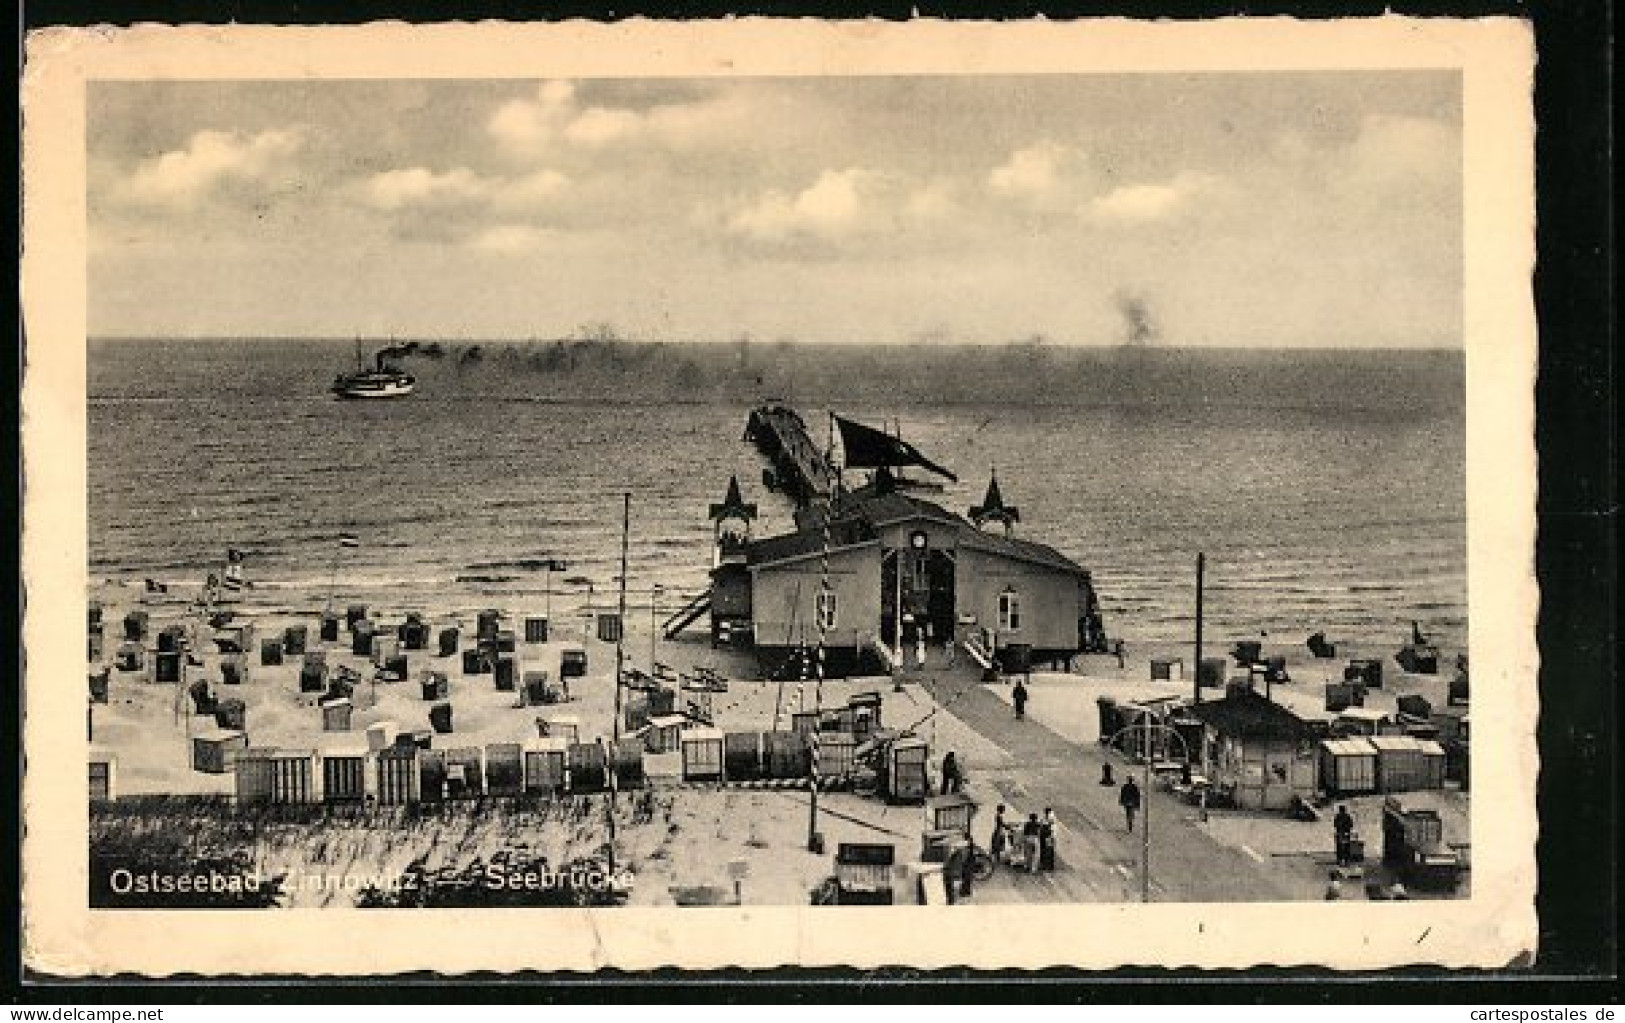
pixel 397 339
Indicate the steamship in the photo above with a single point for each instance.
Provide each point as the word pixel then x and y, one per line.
pixel 381 380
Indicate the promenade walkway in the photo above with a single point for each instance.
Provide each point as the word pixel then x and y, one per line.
pixel 1099 860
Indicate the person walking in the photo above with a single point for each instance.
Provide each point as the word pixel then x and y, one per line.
pixel 1001 834
pixel 953 780
pixel 1046 840
pixel 1018 696
pixel 1030 842
pixel 1128 797
pixel 1343 835
pixel 948 652
pixel 1117 648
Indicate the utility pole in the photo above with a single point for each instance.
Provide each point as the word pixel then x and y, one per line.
pixel 1196 673
pixel 620 661
pixel 1145 819
pixel 654 592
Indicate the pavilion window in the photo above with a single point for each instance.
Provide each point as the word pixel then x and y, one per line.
pixel 1009 611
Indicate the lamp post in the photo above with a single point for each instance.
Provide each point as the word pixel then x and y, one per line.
pixel 1146 729
pixel 654 594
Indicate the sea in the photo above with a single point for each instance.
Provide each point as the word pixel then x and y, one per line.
pixel 1326 489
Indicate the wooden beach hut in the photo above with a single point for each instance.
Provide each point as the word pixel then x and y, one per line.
pixel 381 735
pixel 1167 669
pixel 1361 721
pixel 535 689
pixel 665 734
pixel 506 673
pixel 535 630
pixel 435 686
pixel 465 772
pixel 344 771
pixel 361 637
pixel 277 776
pixel 103 775
pixel 785 755
pixel 1408 764
pixel 573 663
pixel 908 771
pixel 135 626
pixel 835 755
pixel 431 775
pixel 742 755
pixel 398 775
pixel 487 623
pixel 440 718
pixel 702 754
pixel 1256 754
pixel 504 769
pixel 215 751
pixel 626 760
pixel 1348 767
pixel 559 726
pixel 952 812
pixel 336 715
pixel 545 765
pixel 589 770
pixel 414 632
pixel 866 713
pixel 234 669
pixel 804 722
pixel 313 672
pixel 166 666
pixel 130 656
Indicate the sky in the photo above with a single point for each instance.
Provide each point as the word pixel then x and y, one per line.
pixel 1262 209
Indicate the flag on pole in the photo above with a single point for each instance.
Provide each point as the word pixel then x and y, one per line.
pixel 349 540
pixel 869 448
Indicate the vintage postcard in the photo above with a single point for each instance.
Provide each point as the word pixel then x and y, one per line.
pixel 779 494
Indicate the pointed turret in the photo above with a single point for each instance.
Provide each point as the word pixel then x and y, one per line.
pixel 733 504
pixel 993 508
pixel 732 520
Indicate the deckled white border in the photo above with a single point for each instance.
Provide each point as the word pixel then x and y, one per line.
pixel 1492 928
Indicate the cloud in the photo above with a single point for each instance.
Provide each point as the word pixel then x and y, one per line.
pixel 1147 203
pixel 537 188
pixel 597 126
pixel 1041 173
pixel 560 114
pixel 839 204
pixel 1397 154
pixel 418 186
pixel 209 160
pixel 508 239
pixel 528 124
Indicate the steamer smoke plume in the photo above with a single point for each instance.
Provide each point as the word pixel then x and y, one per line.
pixel 1140 329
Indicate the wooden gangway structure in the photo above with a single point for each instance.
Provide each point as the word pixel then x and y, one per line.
pixel 797 467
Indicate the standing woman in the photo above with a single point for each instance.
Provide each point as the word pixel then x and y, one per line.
pixel 1001 834
pixel 1046 840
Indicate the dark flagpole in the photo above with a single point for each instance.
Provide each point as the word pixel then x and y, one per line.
pixel 620 662
pixel 1196 673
